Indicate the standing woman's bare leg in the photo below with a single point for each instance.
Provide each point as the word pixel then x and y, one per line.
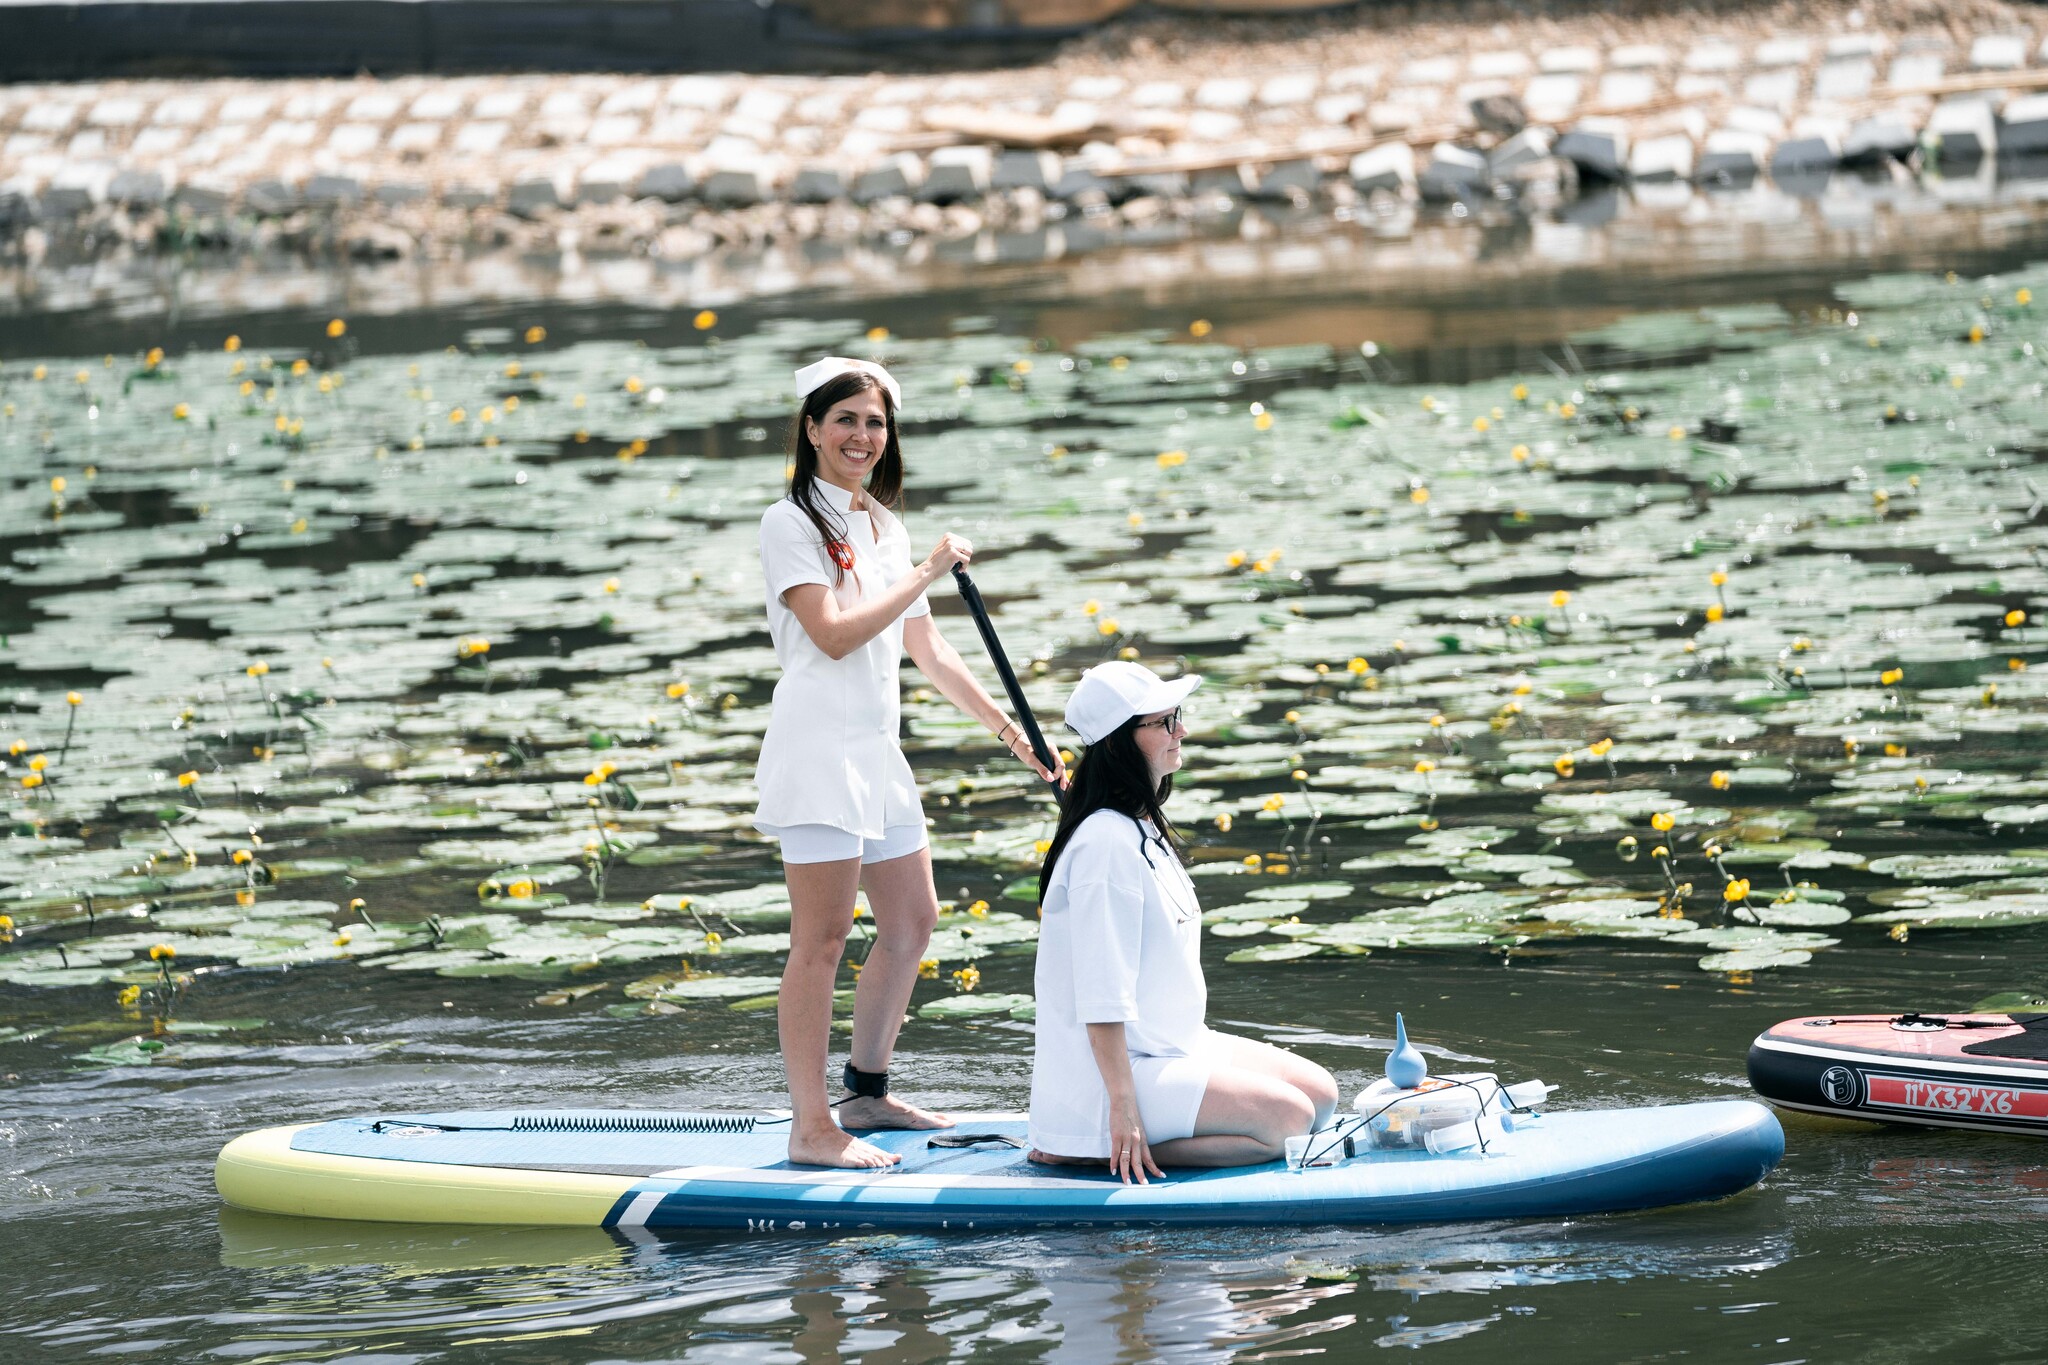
pixel 820 915
pixel 905 908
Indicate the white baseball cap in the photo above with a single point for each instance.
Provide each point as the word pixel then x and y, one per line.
pixel 1112 693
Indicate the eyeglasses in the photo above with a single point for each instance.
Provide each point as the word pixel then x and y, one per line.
pixel 1168 722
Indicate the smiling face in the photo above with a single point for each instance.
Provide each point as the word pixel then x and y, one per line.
pixel 1160 744
pixel 850 438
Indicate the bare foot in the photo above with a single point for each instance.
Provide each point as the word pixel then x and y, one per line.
pixel 834 1147
pixel 1048 1159
pixel 886 1111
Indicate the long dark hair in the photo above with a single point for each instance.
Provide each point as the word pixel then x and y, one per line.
pixel 1112 775
pixel 884 485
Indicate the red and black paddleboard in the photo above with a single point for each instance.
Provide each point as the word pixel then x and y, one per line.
pixel 1984 1071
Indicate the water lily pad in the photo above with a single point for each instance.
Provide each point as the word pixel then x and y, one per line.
pixel 973 1006
pixel 1275 952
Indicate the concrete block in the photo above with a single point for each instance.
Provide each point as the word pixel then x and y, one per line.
pixel 1783 52
pixel 117 112
pixel 603 181
pixel 1889 135
pixel 1288 91
pixel 1638 57
pixel 332 191
pixel 1598 147
pixel 499 104
pixel 1806 152
pixel 1691 85
pixel 272 198
pixel 1095 87
pixel 1291 180
pixel 1499 114
pixel 1625 90
pixel 1911 70
pixel 17 206
pixel 1845 79
pixel 1429 71
pixel 1388 116
pixel 1016 169
pixel 202 198
pixel 1733 156
pixel 1389 166
pixel 373 106
pixel 1750 119
pixel 1777 88
pixel 437 104
pixel 1453 172
pixel 415 137
pixel 1715 55
pixel 480 139
pixel 615 130
pixel 1079 184
pixel 1524 148
pixel 1224 92
pixel 1214 125
pixel 898 176
pixel 1661 158
pixel 74 190
pixel 1159 95
pixel 2026 126
pixel 1999 52
pixel 1172 185
pixel 956 174
pixel 735 187
pixel 1340 109
pixel 817 184
pixel 238 109
pixel 137 189
pixel 707 93
pixel 1568 61
pixel 181 111
pixel 1960 132
pixel 1498 65
pixel 1846 45
pixel 465 195
pixel 1552 98
pixel 532 194
pixel 395 192
pixel 1365 78
pixel 1234 182
pixel 354 140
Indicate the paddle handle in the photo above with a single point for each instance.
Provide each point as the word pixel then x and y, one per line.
pixel 979 611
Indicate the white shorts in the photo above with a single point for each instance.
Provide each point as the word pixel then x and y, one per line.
pixel 829 844
pixel 1170 1091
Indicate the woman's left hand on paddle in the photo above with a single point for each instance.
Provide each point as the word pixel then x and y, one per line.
pixel 1020 747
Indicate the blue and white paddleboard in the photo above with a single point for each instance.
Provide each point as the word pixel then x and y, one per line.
pixel 644 1169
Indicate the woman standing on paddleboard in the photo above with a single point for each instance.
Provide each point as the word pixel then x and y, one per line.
pixel 844 604
pixel 1126 1072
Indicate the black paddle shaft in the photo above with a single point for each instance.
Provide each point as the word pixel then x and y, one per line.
pixel 975 607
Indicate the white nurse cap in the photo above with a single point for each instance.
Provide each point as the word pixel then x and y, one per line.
pixel 1112 693
pixel 832 366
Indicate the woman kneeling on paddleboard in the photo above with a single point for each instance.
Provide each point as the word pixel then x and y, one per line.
pixel 1126 1072
pixel 844 603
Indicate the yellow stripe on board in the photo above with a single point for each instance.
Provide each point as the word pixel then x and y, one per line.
pixel 261 1171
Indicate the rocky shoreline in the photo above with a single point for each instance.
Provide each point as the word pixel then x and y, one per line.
pixel 1128 131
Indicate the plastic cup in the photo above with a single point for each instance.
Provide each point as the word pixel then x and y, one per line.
pixel 1297 1151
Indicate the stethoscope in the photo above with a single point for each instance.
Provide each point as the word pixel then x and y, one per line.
pixel 1182 897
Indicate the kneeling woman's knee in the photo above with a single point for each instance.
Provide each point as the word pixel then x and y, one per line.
pixel 1289 1113
pixel 1321 1088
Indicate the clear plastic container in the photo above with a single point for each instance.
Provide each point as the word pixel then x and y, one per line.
pixel 1398 1119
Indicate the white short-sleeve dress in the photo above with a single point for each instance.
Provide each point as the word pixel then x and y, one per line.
pixel 1120 943
pixel 831 756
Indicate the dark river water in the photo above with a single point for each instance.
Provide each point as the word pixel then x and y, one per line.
pixel 1867 1244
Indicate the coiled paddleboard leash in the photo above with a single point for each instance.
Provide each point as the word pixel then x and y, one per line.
pixel 587 1123
pixel 972 596
pixel 974 1140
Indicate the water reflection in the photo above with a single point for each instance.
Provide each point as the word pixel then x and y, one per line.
pixel 327 1289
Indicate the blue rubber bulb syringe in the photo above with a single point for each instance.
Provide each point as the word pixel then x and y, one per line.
pixel 1405 1067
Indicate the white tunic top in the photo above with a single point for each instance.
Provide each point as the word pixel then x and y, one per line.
pixel 1120 943
pixel 830 756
